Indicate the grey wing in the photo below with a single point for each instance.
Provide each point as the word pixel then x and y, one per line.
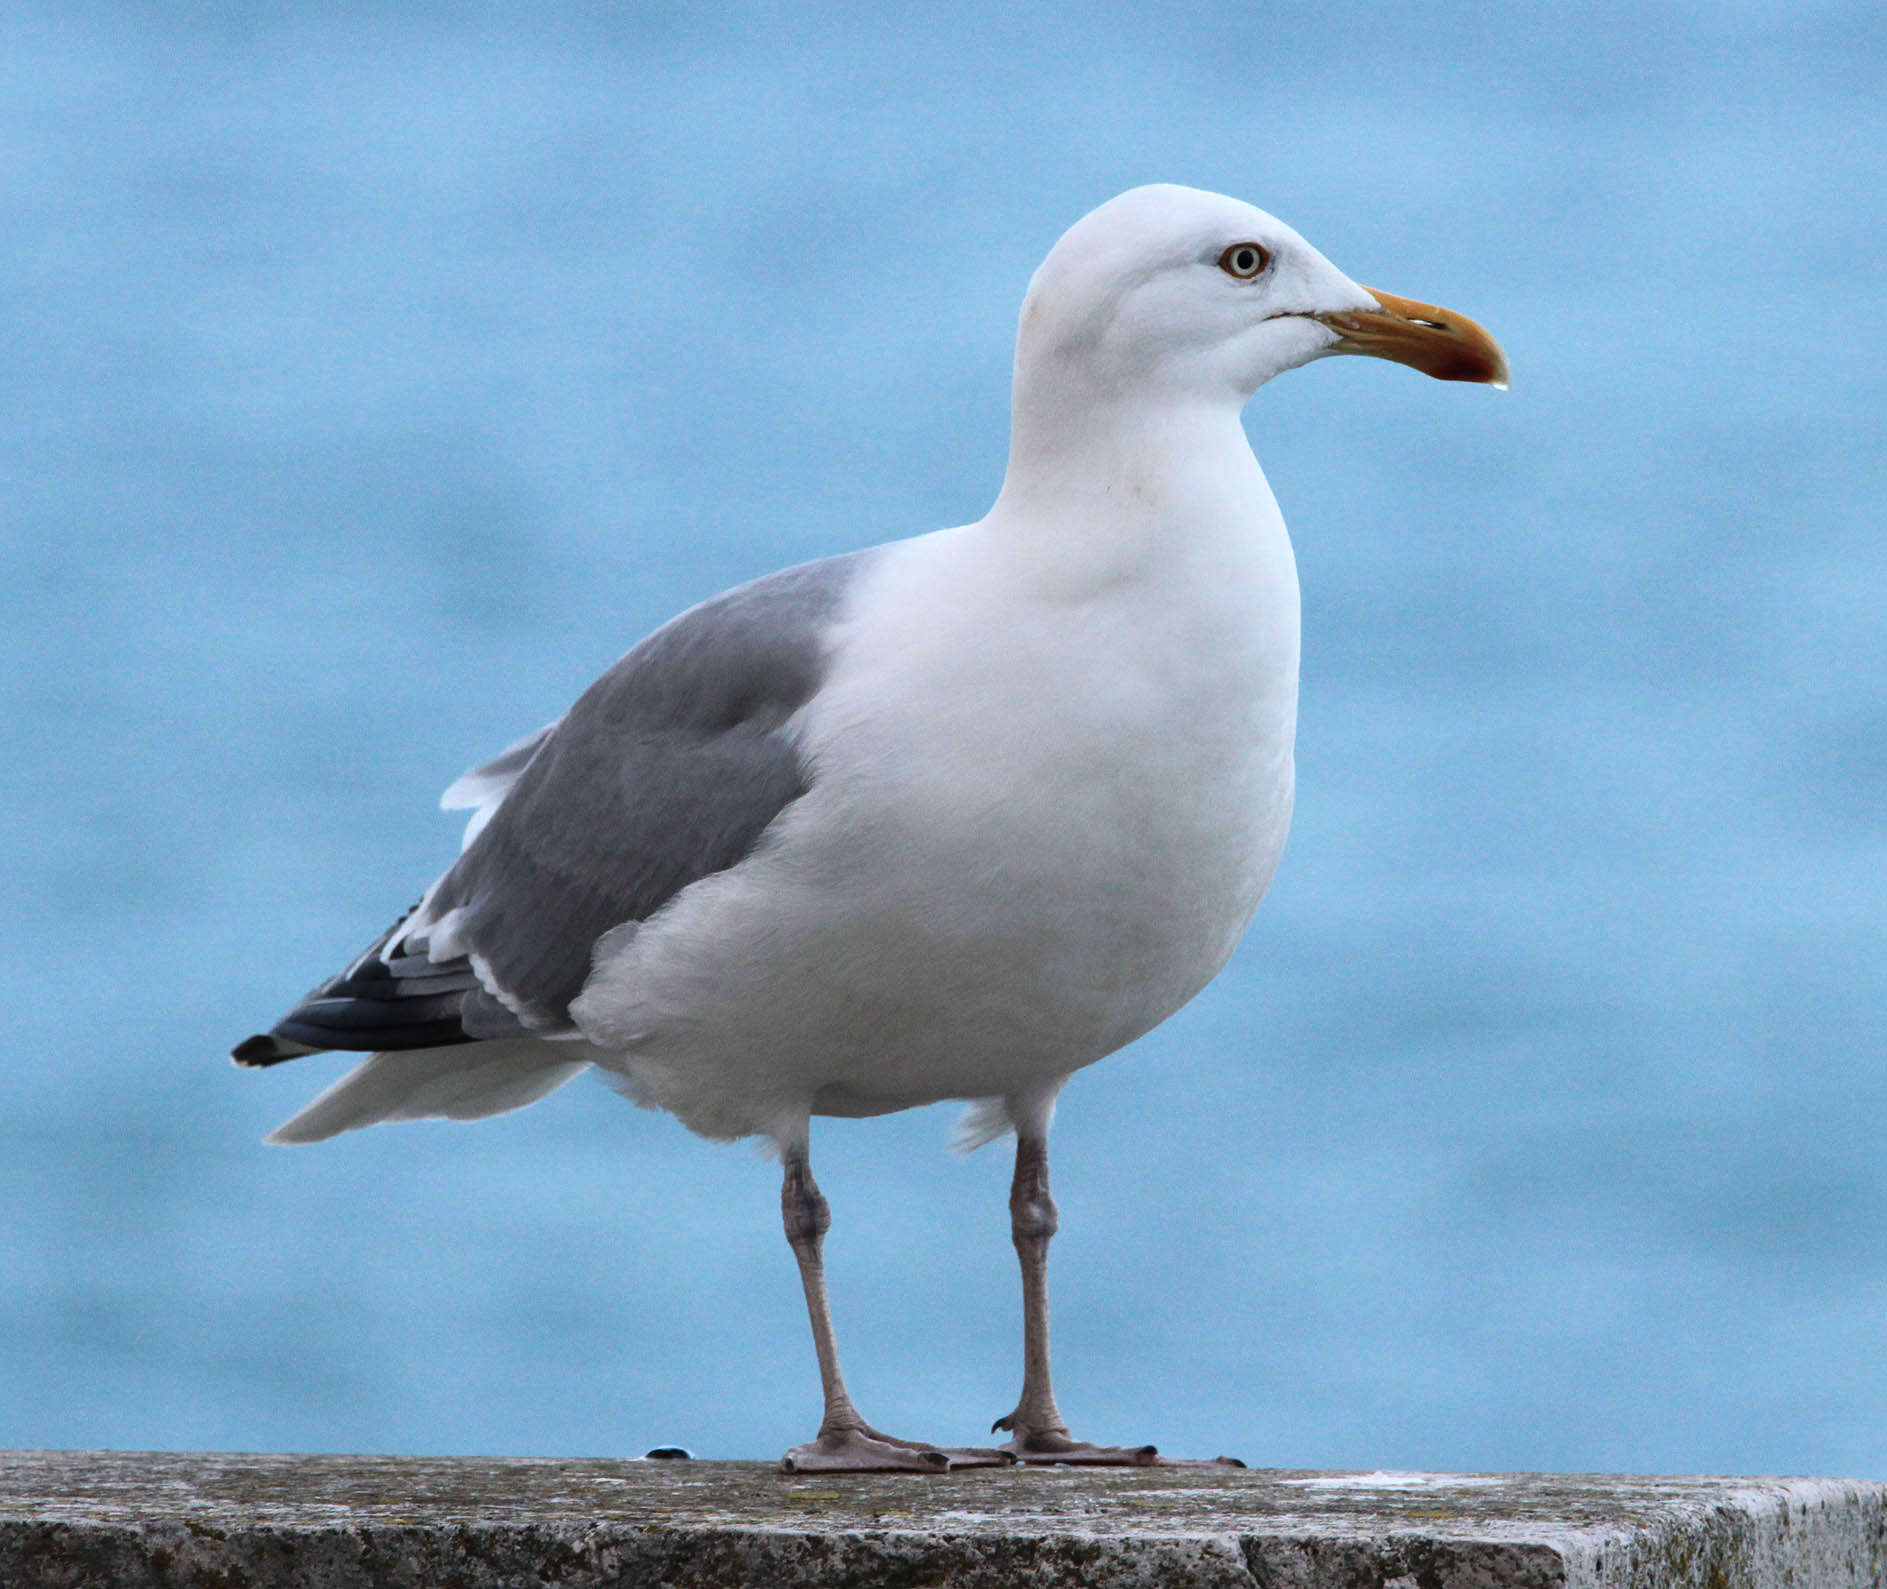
pixel 667 769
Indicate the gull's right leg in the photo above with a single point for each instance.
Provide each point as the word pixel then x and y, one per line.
pixel 1040 1435
pixel 845 1442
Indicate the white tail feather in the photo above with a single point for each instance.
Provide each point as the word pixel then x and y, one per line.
pixel 467 1081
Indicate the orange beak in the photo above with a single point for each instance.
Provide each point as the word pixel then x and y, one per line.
pixel 1438 342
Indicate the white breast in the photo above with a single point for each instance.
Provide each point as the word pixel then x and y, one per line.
pixel 1040 819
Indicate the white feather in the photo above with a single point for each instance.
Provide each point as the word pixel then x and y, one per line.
pixel 462 1082
pixel 983 1122
pixel 1031 1111
pixel 482 790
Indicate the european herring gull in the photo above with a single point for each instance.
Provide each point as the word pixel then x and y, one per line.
pixel 949 818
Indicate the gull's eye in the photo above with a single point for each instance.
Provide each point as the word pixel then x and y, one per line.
pixel 1244 260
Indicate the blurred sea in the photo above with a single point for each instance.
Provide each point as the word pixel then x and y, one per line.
pixel 374 374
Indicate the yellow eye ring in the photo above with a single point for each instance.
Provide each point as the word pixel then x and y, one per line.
pixel 1244 260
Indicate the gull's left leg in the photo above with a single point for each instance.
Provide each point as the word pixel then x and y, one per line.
pixel 845 1442
pixel 1040 1435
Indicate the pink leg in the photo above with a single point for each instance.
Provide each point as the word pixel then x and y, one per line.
pixel 845 1442
pixel 1039 1434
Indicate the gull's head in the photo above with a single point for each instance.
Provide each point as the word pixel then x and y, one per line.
pixel 1196 297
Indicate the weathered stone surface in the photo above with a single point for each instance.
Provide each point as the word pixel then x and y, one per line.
pixel 72 1519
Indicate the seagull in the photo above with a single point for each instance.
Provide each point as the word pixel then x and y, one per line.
pixel 948 818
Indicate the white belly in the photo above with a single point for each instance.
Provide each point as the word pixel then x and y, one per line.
pixel 1035 830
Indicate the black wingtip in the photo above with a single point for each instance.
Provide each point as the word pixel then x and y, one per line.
pixel 263 1049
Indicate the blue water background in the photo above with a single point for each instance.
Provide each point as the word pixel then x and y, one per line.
pixel 374 374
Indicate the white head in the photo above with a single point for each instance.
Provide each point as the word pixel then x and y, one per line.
pixel 1169 294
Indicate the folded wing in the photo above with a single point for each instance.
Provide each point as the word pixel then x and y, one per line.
pixel 669 768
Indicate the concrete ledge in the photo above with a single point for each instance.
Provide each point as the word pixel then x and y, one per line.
pixel 73 1519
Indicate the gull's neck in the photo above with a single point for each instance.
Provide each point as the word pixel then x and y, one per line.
pixel 1103 483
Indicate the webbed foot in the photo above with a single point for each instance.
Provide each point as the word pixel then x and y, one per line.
pixel 1055 1444
pixel 865 1450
